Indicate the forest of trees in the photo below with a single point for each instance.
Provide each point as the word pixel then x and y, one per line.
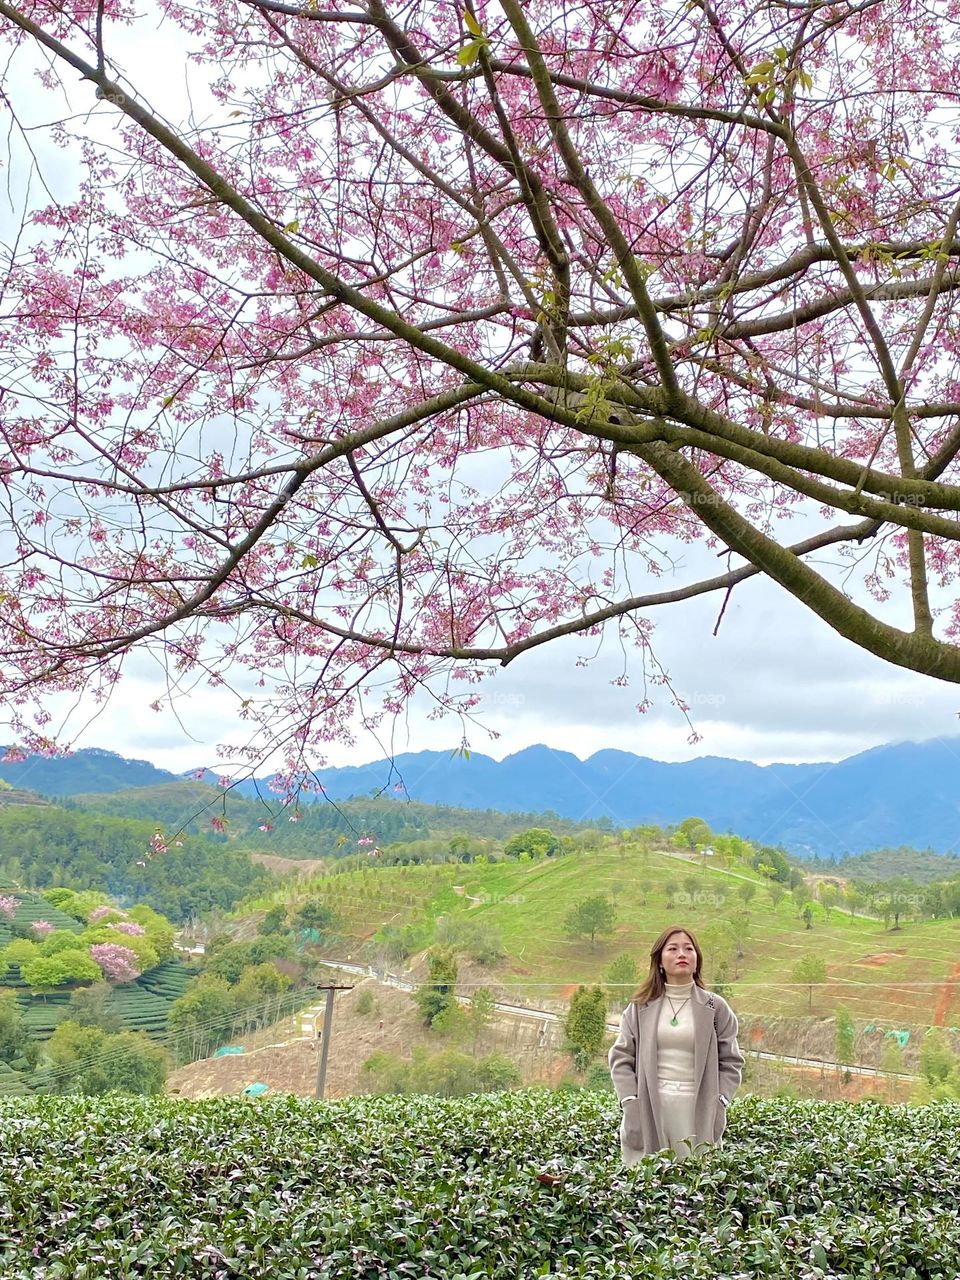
pixel 44 846
pixel 322 828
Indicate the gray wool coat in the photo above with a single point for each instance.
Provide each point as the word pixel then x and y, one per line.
pixel 717 1067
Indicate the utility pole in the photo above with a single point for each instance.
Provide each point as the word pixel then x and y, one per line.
pixel 325 1037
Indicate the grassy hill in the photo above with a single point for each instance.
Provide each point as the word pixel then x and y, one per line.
pixel 909 976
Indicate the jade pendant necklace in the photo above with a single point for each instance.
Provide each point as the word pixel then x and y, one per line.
pixel 673 1020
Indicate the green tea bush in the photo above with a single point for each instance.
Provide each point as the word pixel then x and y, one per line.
pixel 453 1189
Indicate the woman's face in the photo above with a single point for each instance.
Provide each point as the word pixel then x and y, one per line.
pixel 679 958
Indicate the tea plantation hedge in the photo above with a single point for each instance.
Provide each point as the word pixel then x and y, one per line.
pixel 396 1188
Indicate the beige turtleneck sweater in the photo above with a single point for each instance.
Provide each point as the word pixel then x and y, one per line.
pixel 675 1044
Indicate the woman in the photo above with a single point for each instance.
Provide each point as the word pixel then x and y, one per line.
pixel 676 1063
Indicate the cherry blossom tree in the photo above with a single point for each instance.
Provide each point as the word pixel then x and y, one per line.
pixel 118 964
pixel 436 331
pixel 129 927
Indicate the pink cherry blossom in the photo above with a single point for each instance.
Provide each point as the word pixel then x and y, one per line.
pixel 119 963
pixel 99 913
pixel 422 348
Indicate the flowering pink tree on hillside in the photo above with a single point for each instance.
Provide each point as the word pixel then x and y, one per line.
pixel 119 964
pixel 8 906
pixel 131 928
pixel 431 338
pixel 103 913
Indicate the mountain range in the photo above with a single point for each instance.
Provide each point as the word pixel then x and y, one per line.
pixel 905 793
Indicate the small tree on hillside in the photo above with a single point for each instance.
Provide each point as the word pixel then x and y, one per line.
pixel 801 896
pixel 481 1011
pixel 450 1022
pixel 437 993
pixel 591 916
pixel 810 971
pixel 693 831
pixel 314 915
pixel 586 1024
pixel 622 976
pixel 741 924
pixel 891 1063
pixel 47 972
pixel 829 895
pixel 536 842
pixel 476 937
pixel 718 942
pixel 939 1069
pixel 17 1048
pixel 275 921
pixel 199 1018
pixel 746 889
pixel 90 1007
pixel 87 1060
pixel 844 1032
pixel 721 982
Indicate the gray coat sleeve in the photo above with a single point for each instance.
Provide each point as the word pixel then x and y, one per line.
pixel 623 1055
pixel 730 1059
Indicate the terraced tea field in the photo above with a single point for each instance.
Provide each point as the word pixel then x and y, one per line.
pixel 142 1005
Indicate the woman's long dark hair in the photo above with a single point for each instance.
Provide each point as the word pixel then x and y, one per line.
pixel 654 984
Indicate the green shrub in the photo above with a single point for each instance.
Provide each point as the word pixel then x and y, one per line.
pixel 438 1188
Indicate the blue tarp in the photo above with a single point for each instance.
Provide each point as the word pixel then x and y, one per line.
pixel 255 1090
pixel 229 1048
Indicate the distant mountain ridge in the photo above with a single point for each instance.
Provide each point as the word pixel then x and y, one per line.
pixel 92 769
pixel 904 793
